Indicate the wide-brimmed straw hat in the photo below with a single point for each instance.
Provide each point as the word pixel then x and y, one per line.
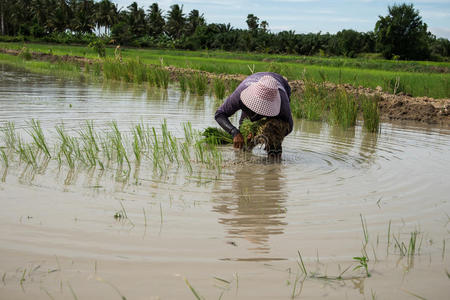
pixel 263 97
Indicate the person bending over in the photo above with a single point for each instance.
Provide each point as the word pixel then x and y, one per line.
pixel 261 95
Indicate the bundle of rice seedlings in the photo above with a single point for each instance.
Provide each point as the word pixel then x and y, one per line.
pixel 268 132
pixel 215 135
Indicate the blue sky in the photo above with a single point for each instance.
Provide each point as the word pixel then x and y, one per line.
pixel 305 16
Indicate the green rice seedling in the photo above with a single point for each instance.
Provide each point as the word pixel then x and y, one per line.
pixel 185 154
pixel 183 83
pixel 301 264
pixel 201 84
pixel 112 69
pixel 105 145
pixel 163 77
pixel 38 137
pixel 196 294
pixel 371 114
pixel 139 132
pixel 9 135
pixel 199 152
pixel 191 84
pixel 117 144
pixel 137 147
pixel 30 155
pixel 97 69
pixel 365 231
pixel 158 158
pixel 412 243
pixel 198 84
pixel 312 103
pixel 140 72
pixel 66 146
pixel 219 88
pixel 4 158
pixel 166 141
pixel 188 132
pixel 343 110
pixel 214 157
pixel 363 263
pixel 174 147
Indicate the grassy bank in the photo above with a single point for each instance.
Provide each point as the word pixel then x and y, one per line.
pixel 415 78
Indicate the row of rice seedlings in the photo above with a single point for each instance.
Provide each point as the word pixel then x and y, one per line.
pixel 91 149
pixel 340 108
pixel 134 70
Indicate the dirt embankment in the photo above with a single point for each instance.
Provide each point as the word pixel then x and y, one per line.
pixel 392 107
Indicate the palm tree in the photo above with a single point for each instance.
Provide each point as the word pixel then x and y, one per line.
pixel 155 20
pixel 84 21
pixel 175 21
pixel 193 21
pixel 136 19
pixel 106 15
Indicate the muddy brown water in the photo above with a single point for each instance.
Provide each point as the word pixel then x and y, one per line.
pixel 236 235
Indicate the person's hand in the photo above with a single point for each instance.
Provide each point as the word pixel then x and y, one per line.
pixel 249 137
pixel 238 141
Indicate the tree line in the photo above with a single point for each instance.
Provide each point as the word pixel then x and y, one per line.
pixel 400 35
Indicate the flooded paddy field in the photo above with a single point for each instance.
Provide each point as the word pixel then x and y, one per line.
pixel 307 227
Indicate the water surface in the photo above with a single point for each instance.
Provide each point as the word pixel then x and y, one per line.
pixel 245 226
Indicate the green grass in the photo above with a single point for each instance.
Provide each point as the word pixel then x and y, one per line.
pixel 219 88
pixel 416 78
pixel 312 104
pixel 343 110
pixel 371 114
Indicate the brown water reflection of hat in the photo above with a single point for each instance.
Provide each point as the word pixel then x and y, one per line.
pixel 263 97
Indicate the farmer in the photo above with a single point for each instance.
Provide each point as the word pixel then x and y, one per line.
pixel 260 95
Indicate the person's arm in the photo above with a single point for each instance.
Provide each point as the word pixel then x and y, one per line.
pixel 226 110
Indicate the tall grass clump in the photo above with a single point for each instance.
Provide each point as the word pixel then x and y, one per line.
pixel 157 76
pixel 219 88
pixel 112 69
pixel 343 109
pixel 371 114
pixel 198 84
pixel 312 104
pixel 183 83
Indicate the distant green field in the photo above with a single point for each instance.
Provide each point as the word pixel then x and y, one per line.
pixel 413 77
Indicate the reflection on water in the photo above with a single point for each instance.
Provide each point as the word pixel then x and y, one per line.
pixel 252 206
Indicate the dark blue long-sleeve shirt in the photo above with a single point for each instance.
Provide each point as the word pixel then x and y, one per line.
pixel 233 103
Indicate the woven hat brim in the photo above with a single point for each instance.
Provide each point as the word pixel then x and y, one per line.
pixel 261 106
